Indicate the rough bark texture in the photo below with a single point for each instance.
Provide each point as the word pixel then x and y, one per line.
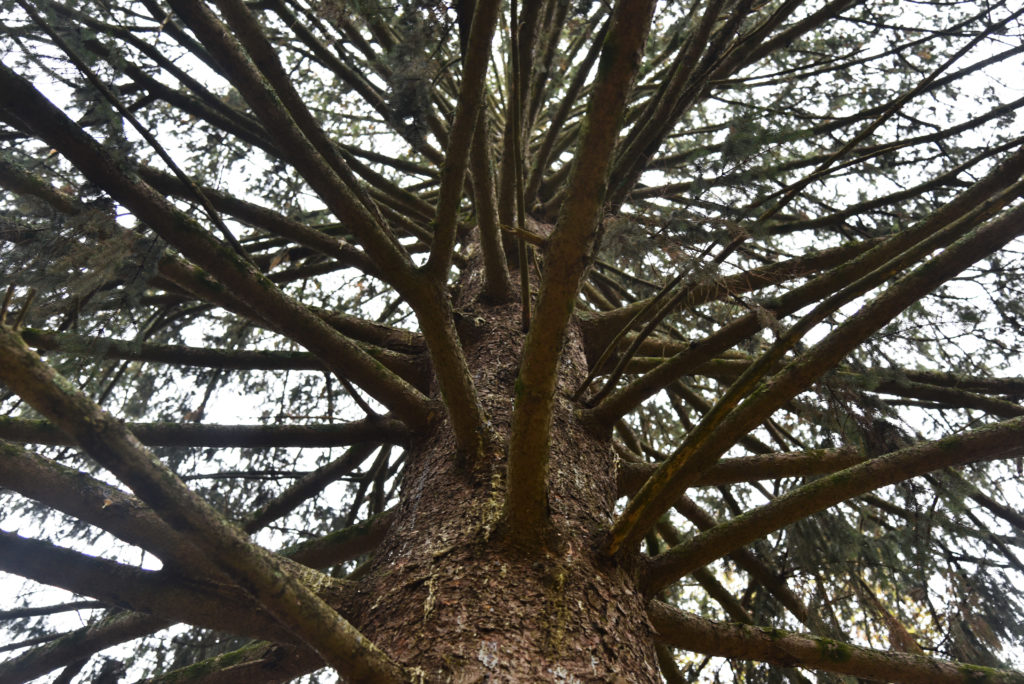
pixel 457 604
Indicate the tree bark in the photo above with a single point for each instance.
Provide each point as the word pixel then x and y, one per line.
pixel 451 600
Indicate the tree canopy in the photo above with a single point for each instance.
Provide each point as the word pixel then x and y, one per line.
pixel 430 341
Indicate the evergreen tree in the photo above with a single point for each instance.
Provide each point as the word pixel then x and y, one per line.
pixel 562 341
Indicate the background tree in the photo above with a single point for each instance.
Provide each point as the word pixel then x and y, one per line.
pixel 569 341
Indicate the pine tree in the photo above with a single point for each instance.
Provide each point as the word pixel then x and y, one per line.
pixel 569 341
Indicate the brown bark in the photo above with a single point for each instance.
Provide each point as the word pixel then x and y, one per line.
pixel 448 596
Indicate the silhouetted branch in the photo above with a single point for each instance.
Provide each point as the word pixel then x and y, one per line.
pixel 1002 440
pixel 289 599
pixel 68 648
pixel 720 427
pixel 692 633
pixel 748 468
pixel 224 436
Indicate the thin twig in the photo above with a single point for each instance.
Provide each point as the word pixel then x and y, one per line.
pixel 24 308
pixel 8 296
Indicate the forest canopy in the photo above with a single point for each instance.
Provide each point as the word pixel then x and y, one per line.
pixel 552 340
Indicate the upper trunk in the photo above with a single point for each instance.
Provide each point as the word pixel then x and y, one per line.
pixel 452 600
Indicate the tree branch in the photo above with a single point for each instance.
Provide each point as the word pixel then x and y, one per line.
pixel 224 436
pixel 497 281
pixel 565 262
pixel 287 598
pixel 600 329
pixel 91 501
pixel 1001 440
pixel 308 486
pixel 82 643
pixel 259 662
pixel 777 647
pixel 631 475
pixel 30 109
pixel 460 137
pixel 987 195
pixel 161 594
pixel 343 545
pixel 720 427
pixel 406 366
pixel 266 219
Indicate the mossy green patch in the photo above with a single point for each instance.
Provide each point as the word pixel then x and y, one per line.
pixel 222 662
pixel 557 613
pixel 833 651
pixel 980 673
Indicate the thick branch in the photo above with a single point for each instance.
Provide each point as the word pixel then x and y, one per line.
pixel 565 262
pixel 692 633
pixel 460 137
pixel 343 545
pixel 631 476
pixel 224 436
pixel 31 110
pixel 1002 440
pixel 721 427
pixel 287 598
pixel 82 643
pixel 161 594
pixel 96 503
pixel 497 281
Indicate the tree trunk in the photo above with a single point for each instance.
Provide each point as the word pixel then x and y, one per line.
pixel 454 602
